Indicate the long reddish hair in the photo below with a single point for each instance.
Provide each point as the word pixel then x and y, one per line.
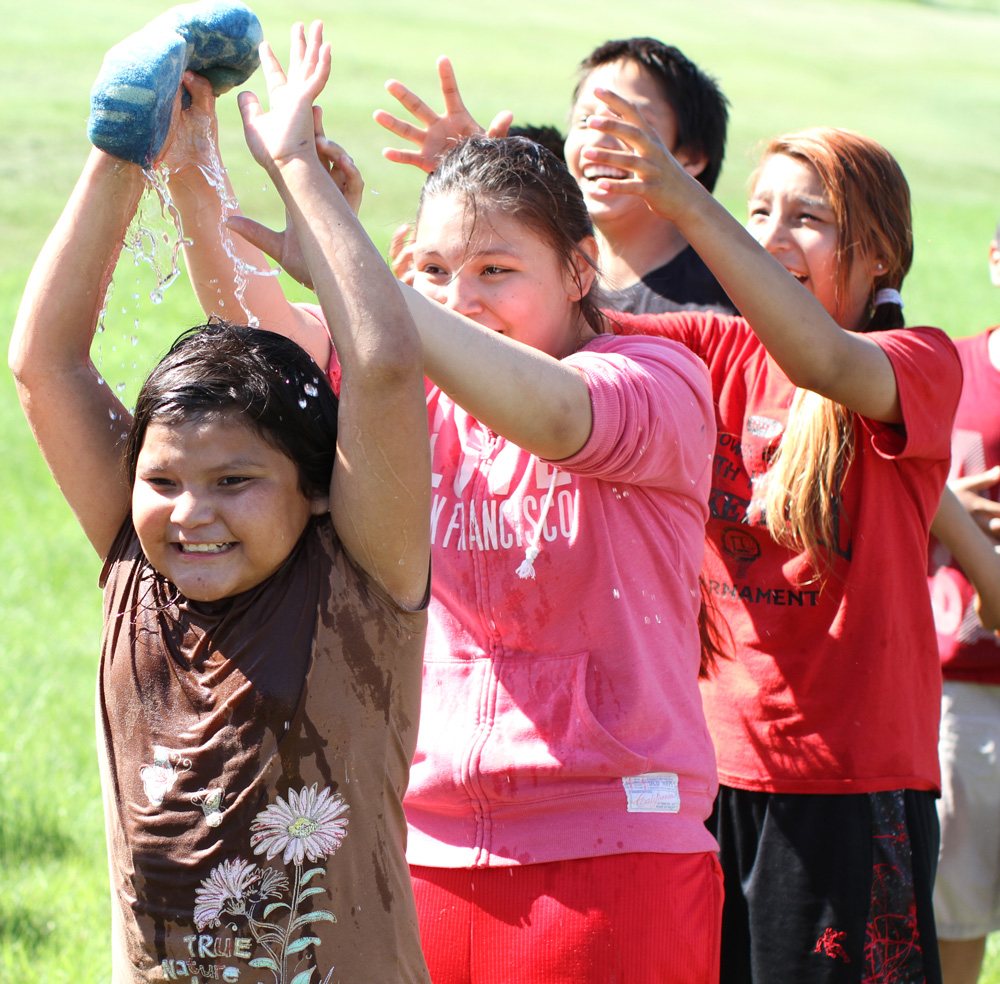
pixel 871 201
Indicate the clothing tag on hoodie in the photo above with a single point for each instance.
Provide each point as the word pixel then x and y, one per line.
pixel 655 792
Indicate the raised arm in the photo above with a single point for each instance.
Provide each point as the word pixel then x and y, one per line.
pixel 811 348
pixel 534 400
pixel 77 421
pixel 439 131
pixel 231 278
pixel 380 494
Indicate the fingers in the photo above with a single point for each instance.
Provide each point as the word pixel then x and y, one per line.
pixel 271 67
pixel 500 126
pixel 406 157
pixel 449 87
pixel 401 128
pixel 249 106
pixel 265 239
pixel 200 90
pixel 411 102
pixel 977 482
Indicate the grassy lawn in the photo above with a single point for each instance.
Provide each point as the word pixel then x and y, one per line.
pixel 917 76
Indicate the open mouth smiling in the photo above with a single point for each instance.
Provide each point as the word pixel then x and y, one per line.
pixel 594 172
pixel 204 548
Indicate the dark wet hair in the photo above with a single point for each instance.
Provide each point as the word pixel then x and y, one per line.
pixel 701 109
pixel 268 381
pixel 526 182
pixel 548 136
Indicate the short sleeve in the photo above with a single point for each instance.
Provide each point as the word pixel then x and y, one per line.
pixel 653 418
pixel 929 379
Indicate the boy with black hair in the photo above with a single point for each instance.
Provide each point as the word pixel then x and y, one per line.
pixel 646 265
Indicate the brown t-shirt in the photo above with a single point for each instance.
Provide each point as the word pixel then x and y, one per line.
pixel 254 758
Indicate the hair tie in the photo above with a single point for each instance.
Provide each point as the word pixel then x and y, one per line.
pixel 888 295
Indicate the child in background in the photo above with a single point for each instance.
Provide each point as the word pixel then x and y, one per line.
pixel 265 572
pixel 646 264
pixel 833 448
pixel 965 893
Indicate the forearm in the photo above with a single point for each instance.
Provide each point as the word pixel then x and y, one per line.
pixel 229 275
pixel 974 552
pixel 800 335
pixel 532 399
pixel 66 289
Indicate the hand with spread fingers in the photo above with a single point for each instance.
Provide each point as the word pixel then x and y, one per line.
pixel 439 131
pixel 658 177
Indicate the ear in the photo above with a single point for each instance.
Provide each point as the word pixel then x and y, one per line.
pixel 693 163
pixel 995 263
pixel 584 268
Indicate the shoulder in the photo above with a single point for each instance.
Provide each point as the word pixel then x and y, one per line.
pixel 640 355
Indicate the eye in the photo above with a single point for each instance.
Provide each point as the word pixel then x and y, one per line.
pixel 431 270
pixel 233 481
pixel 158 482
pixel 494 270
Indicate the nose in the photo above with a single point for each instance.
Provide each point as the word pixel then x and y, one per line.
pixel 191 509
pixel 462 295
pixel 770 232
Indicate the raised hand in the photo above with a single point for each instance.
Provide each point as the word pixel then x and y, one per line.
pixel 287 130
pixel 194 131
pixel 657 176
pixel 339 164
pixel 439 132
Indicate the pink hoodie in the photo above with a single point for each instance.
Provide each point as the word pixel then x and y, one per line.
pixel 561 716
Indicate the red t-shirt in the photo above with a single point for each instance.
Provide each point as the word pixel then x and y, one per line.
pixel 835 687
pixel 968 651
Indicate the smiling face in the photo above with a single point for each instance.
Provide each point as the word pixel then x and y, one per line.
pixel 791 216
pixel 500 273
pixel 631 81
pixel 216 508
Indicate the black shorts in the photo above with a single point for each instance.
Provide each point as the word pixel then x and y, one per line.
pixel 827 888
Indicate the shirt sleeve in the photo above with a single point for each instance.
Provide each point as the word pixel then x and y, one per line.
pixel 653 418
pixel 929 379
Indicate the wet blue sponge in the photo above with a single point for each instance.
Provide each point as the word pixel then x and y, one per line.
pixel 132 98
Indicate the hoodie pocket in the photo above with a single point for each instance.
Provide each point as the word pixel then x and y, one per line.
pixel 544 731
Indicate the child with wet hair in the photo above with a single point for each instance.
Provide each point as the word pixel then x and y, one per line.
pixel 266 559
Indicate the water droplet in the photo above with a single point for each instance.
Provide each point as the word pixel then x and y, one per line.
pixel 135 338
pixel 120 387
pixel 310 390
pixel 303 403
pixel 156 296
pixel 614 591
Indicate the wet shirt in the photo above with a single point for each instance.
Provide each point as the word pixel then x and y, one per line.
pixel 254 755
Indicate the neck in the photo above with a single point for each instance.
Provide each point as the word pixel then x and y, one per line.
pixel 628 254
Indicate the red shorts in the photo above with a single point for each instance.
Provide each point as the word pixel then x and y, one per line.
pixel 631 918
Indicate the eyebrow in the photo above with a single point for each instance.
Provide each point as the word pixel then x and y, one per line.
pixel 471 255
pixel 808 200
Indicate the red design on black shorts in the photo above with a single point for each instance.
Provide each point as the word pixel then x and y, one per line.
pixel 829 944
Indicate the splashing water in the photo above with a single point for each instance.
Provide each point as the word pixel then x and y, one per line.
pixel 215 174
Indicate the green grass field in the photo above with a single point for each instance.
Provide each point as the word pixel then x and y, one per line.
pixel 917 76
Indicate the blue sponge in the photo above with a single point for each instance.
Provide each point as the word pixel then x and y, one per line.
pixel 132 99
